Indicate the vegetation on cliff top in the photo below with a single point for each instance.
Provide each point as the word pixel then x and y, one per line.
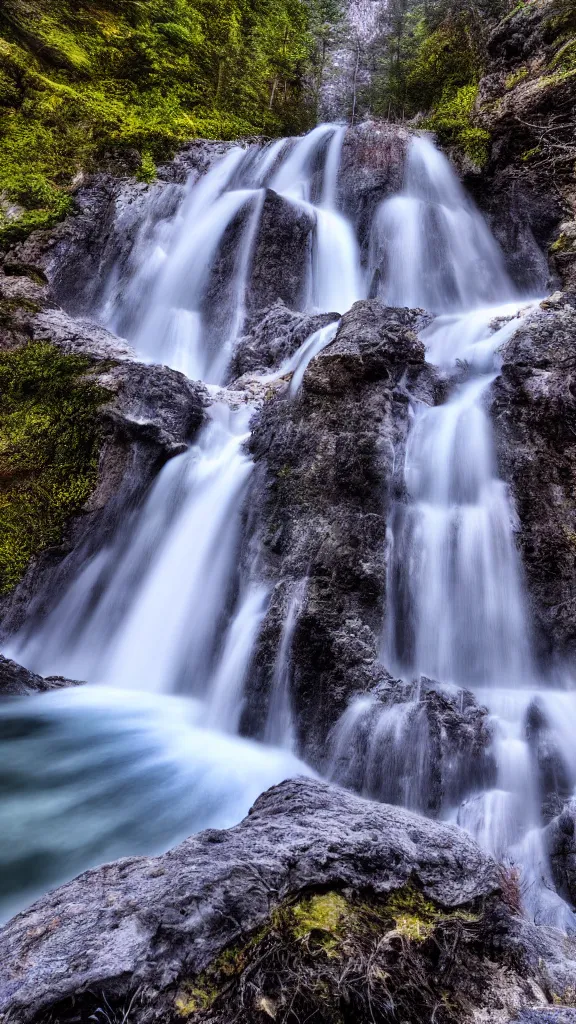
pixel 431 63
pixel 87 81
pixel 49 443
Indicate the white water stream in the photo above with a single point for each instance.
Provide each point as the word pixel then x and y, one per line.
pixel 165 619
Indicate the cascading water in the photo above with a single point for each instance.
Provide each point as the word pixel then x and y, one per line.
pixel 162 308
pixel 166 620
pixel 163 609
pixel 429 246
pixel 456 606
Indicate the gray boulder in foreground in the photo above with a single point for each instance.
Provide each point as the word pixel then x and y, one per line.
pixel 319 905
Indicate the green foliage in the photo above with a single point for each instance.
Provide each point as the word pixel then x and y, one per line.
pixel 452 122
pixel 81 80
pixel 147 170
pixel 325 950
pixel 49 441
pixel 431 49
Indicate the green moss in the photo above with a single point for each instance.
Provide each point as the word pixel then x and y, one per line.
pixel 322 918
pixel 522 6
pixel 564 59
pixel 49 443
pixel 516 77
pixel 453 122
pixel 319 939
pixel 82 82
pixel 560 245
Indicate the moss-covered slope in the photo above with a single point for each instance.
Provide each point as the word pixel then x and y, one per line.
pixel 49 443
pixel 81 80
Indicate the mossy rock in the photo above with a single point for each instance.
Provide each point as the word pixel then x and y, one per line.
pixel 49 448
pixel 335 956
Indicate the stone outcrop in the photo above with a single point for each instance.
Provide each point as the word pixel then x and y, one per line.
pixel 527 102
pixel 273 337
pixel 17 681
pixel 534 414
pixel 420 745
pixel 371 170
pixel 318 900
pixel 277 262
pixel 560 842
pixel 112 215
pixel 152 414
pixel 327 465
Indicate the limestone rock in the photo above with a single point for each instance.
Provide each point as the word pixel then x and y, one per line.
pixel 272 337
pixel 327 465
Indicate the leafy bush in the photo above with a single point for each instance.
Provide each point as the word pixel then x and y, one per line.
pixel 452 122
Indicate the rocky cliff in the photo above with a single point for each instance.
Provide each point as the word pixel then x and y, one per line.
pixel 526 103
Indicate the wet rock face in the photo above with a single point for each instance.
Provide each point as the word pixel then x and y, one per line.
pixel 526 228
pixel 326 463
pixel 534 415
pixel 418 744
pixel 314 877
pixel 555 781
pixel 372 169
pixel 275 263
pixel 17 681
pixel 560 841
pixel 272 338
pixel 152 415
pixel 282 254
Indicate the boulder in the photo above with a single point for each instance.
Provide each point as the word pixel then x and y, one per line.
pixel 327 464
pixel 281 256
pixel 371 170
pixel 272 337
pixel 17 681
pixel 318 904
pixel 420 745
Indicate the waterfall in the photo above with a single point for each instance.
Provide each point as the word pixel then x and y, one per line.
pixel 280 729
pixel 164 621
pixel 430 247
pixel 456 608
pixel 161 309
